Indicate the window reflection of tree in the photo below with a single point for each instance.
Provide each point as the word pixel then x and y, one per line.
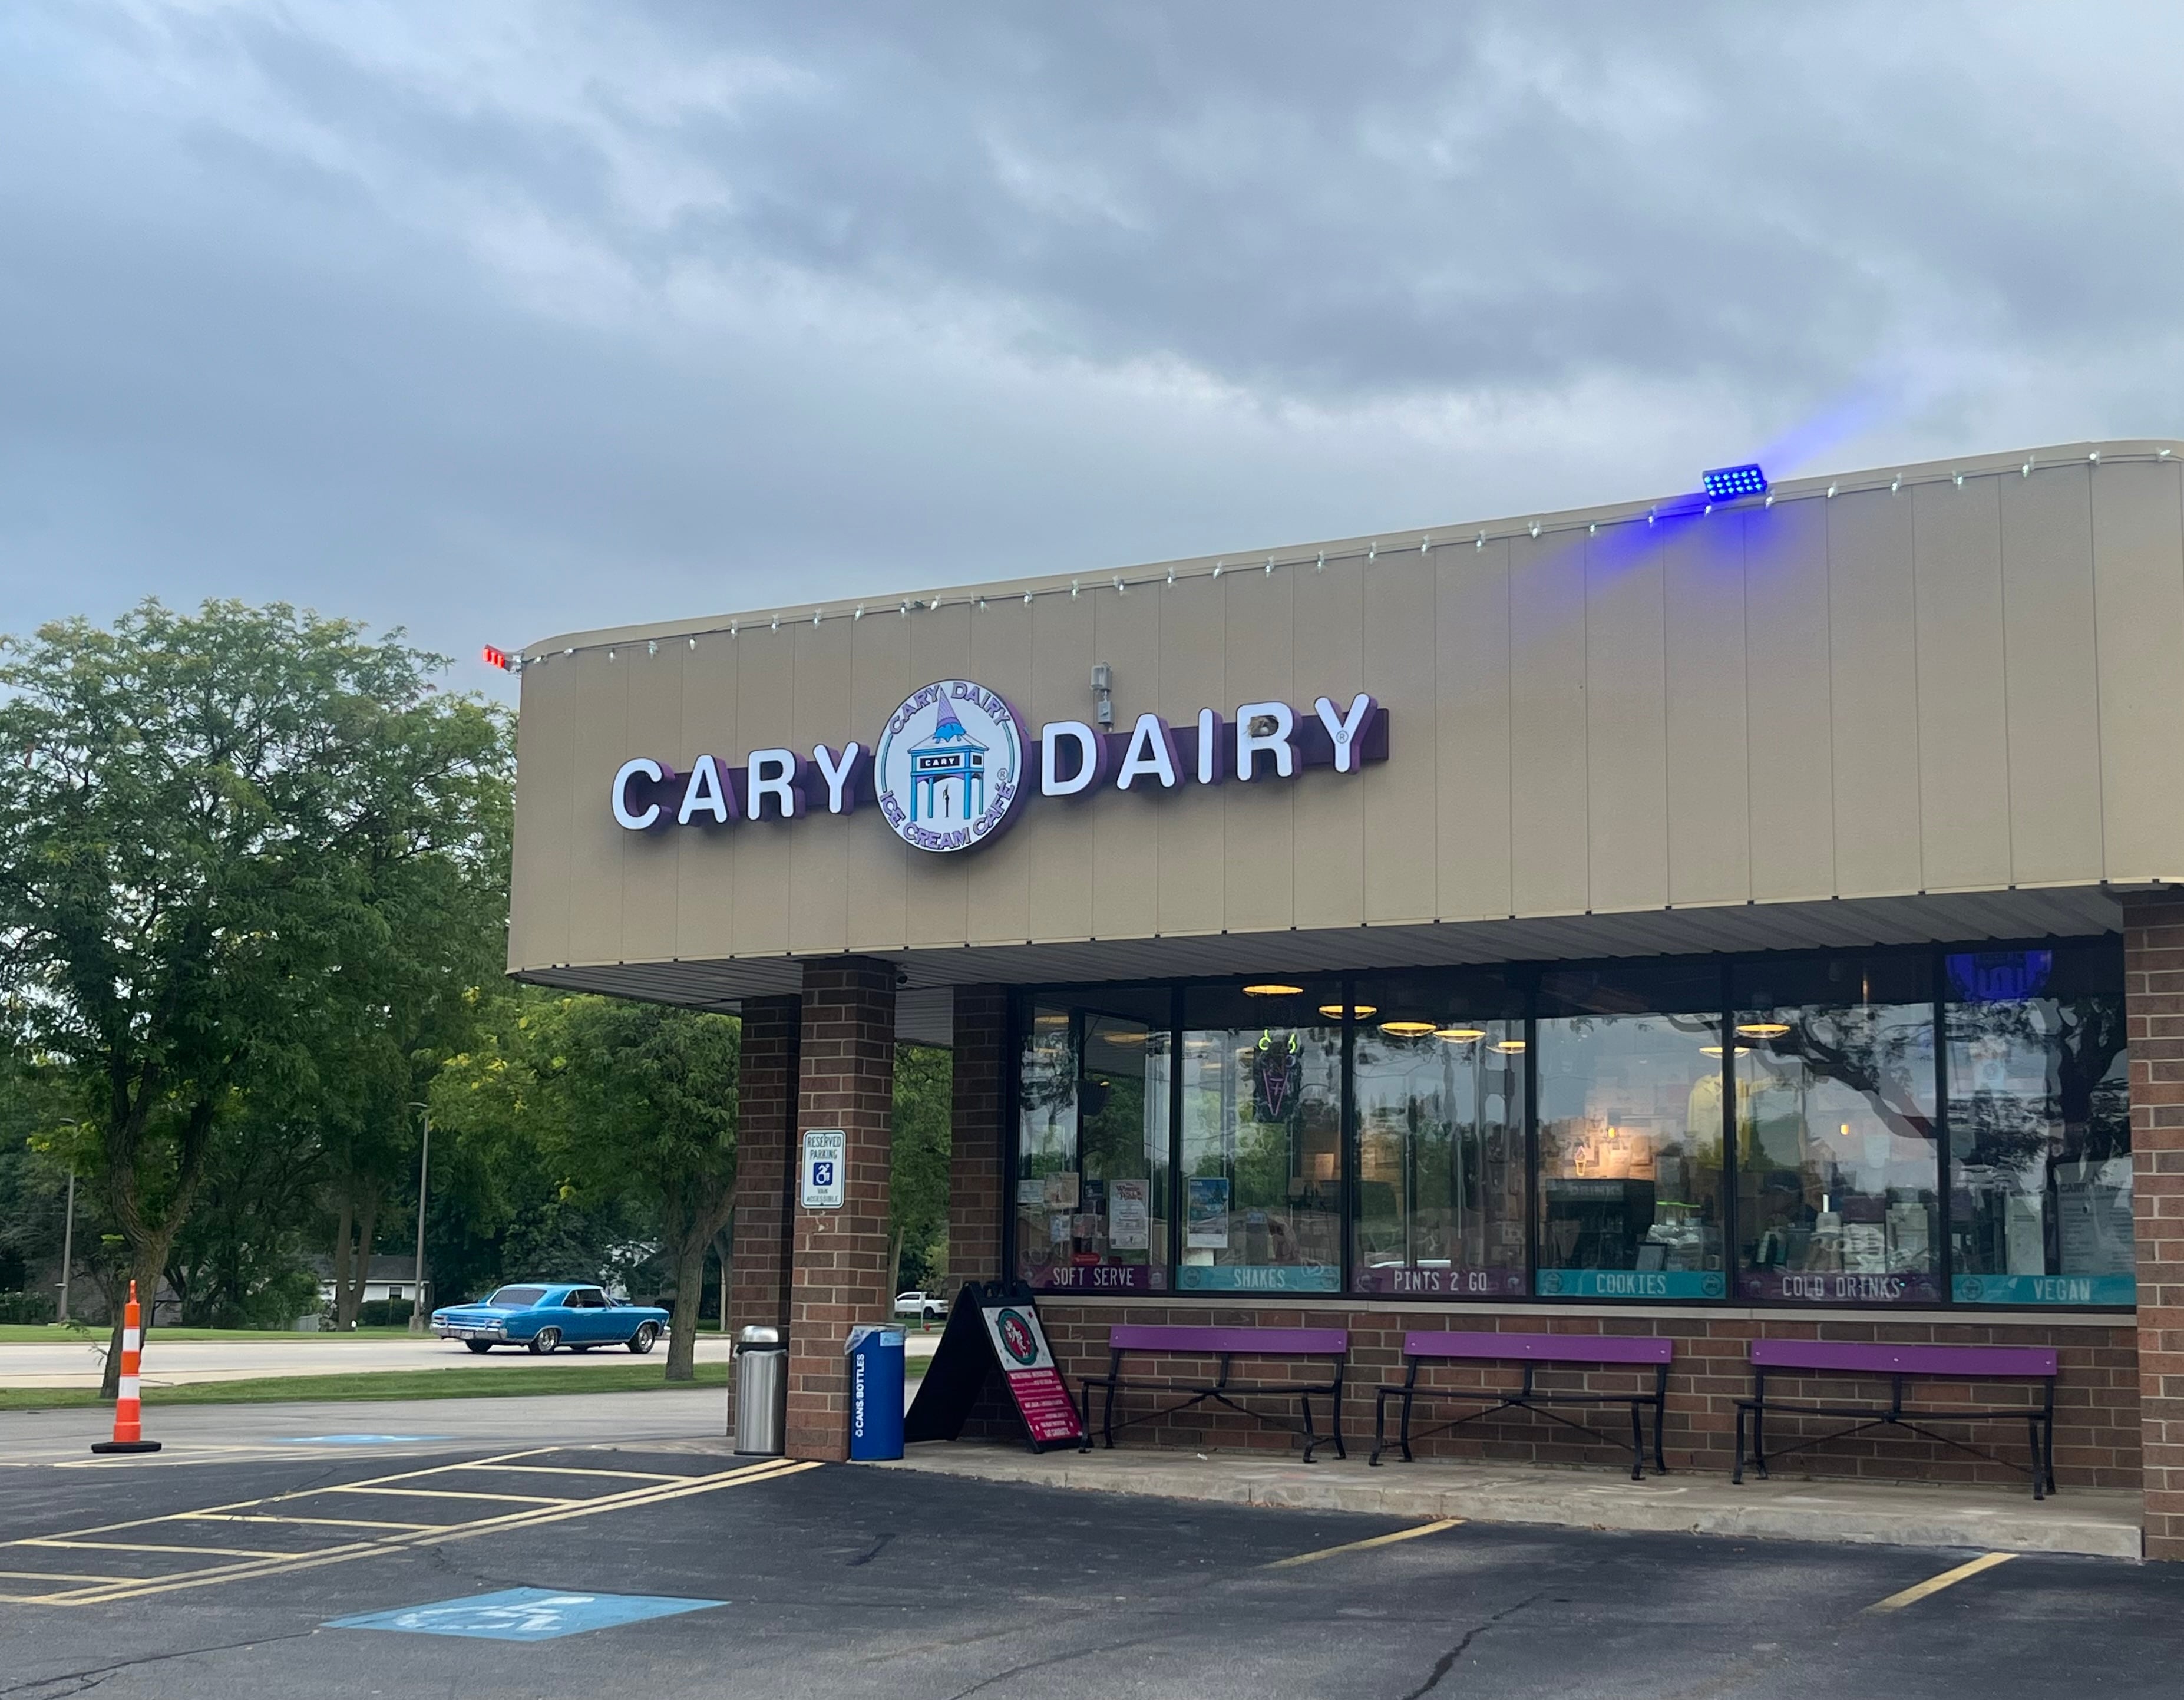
pixel 1887 1062
pixel 2082 1039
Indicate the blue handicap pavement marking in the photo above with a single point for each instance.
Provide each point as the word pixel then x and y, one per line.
pixel 525 1614
pixel 355 1440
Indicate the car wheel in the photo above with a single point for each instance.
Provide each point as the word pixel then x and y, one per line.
pixel 641 1341
pixel 480 1346
pixel 545 1340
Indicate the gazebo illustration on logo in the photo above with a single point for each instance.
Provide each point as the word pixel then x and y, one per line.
pixel 952 755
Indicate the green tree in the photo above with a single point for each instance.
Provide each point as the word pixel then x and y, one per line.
pixel 192 812
pixel 622 1101
pixel 917 1184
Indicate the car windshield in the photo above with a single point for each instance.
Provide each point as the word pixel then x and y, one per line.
pixel 517 1298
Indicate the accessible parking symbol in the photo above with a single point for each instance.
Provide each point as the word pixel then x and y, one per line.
pixel 525 1614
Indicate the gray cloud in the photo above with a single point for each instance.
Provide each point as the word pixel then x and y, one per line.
pixel 498 321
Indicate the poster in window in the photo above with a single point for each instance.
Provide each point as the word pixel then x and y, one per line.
pixel 1207 1222
pixel 1129 1216
pixel 1062 1191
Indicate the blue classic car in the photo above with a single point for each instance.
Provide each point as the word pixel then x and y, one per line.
pixel 547 1315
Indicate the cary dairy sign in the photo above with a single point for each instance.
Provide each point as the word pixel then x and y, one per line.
pixel 953 766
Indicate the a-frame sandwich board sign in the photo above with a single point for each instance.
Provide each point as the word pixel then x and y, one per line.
pixel 994 1326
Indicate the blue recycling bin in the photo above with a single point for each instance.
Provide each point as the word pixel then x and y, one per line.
pixel 875 1354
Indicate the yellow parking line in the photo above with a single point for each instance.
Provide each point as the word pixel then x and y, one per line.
pixel 1432 1528
pixel 1934 1585
pixel 289 1564
pixel 312 1522
pixel 454 1493
pixel 294 1494
pixel 145 1547
pixel 568 1469
pixel 68 1576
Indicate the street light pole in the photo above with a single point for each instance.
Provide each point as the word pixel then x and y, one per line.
pixel 68 1231
pixel 424 1166
pixel 67 1244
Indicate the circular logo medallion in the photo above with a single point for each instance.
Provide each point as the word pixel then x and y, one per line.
pixel 949 767
pixel 1017 1336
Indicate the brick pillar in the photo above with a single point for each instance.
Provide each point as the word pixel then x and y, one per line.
pixel 2153 1000
pixel 846 1072
pixel 974 1160
pixel 758 1264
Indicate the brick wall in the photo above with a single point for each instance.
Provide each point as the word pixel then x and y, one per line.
pixel 2154 1000
pixel 758 1264
pixel 974 1163
pixel 2097 1431
pixel 840 1276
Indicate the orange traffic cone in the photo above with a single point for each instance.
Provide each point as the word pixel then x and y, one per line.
pixel 128 1413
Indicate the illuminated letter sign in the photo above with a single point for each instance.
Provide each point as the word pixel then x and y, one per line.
pixel 952 765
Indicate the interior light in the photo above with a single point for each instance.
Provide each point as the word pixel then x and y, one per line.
pixel 1761 1029
pixel 1271 989
pixel 1460 1035
pixel 1508 1047
pixel 1334 1012
pixel 1407 1030
pixel 1727 484
pixel 1715 1050
pixel 1124 1036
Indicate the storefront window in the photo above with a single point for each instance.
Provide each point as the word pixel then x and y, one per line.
pixel 1630 1080
pixel 1261 1137
pixel 2039 1127
pixel 1092 1169
pixel 1836 1153
pixel 1440 1093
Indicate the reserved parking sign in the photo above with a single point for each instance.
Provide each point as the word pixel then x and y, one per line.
pixel 825 1155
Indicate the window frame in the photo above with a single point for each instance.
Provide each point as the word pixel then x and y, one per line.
pixel 1523 978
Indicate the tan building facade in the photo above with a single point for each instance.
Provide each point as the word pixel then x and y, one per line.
pixel 1613 785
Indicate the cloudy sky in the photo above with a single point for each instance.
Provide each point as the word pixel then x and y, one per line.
pixel 497 320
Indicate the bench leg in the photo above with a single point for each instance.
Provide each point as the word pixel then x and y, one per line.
pixel 1311 1440
pixel 2039 1459
pixel 1340 1451
pixel 1759 1437
pixel 1736 1475
pixel 1107 1421
pixel 1637 1440
pixel 1084 1423
pixel 1380 1425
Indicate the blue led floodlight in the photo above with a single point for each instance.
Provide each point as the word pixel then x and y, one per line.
pixel 1727 484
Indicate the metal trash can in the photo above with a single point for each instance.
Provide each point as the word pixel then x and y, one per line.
pixel 762 1391
pixel 875 1369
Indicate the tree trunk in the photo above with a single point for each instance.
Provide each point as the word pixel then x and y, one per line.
pixel 145 1269
pixel 690 1295
pixel 353 1273
pixel 343 1223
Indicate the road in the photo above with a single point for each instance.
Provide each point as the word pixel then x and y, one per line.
pixel 235 1579
pixel 76 1363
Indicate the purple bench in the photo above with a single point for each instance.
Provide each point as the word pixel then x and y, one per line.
pixel 1226 1345
pixel 1897 1365
pixel 1530 1349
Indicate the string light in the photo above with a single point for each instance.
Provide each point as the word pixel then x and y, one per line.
pixel 1535 529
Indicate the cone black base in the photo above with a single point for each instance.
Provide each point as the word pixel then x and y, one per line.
pixel 124 1445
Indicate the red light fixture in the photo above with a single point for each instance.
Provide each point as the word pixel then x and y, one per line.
pixel 499 658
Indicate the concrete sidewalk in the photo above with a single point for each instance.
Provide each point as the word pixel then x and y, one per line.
pixel 2104 1523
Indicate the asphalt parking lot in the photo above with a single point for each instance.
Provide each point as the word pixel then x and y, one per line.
pixel 805 1582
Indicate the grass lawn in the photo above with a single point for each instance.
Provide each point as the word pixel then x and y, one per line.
pixel 483 1382
pixel 50 1333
